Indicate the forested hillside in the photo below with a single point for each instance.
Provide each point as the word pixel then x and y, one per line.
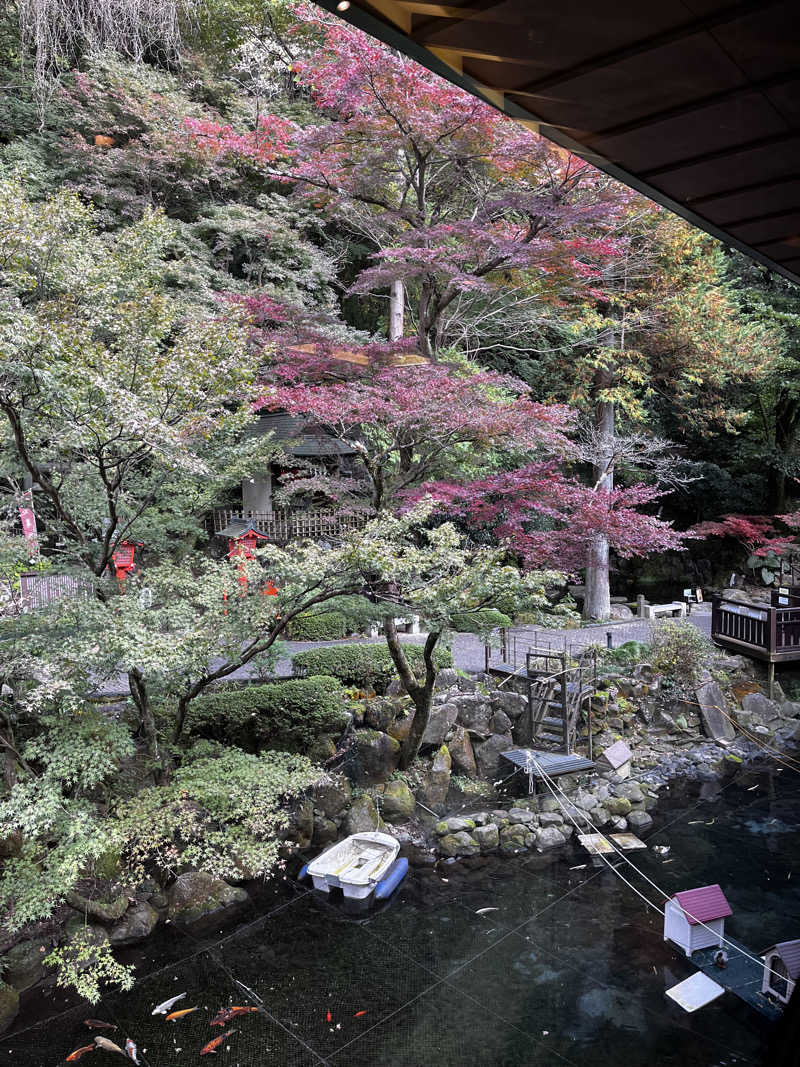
pixel 524 377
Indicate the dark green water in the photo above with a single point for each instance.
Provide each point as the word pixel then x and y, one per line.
pixel 570 969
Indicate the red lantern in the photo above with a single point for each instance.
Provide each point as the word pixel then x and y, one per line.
pixel 124 563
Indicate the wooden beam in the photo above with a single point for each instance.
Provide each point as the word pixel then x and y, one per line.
pixel 737 190
pixel 646 44
pixel 698 104
pixel 394 12
pixel 771 141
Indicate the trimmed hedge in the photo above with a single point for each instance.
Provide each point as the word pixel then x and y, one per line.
pixel 283 715
pixel 481 621
pixel 318 626
pixel 364 666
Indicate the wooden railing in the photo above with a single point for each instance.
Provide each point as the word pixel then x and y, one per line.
pixel 765 632
pixel 38 590
pixel 284 526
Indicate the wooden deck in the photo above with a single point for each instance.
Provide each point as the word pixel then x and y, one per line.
pixel 766 632
pixel 741 976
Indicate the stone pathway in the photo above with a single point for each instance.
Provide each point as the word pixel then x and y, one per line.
pixel 468 649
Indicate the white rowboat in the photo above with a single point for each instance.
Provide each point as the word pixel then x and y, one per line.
pixel 355 865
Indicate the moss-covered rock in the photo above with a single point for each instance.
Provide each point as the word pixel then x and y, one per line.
pixel 363 816
pixel 433 792
pixel 515 838
pixel 377 755
pixel 9 1006
pixel 397 802
pixel 331 795
pixel 460 844
pixel 136 924
pixel 196 895
pixel 23 965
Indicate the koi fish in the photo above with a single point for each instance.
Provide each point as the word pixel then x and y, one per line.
pixel 224 1015
pixel 76 1055
pixel 109 1046
pixel 215 1042
pixel 175 1015
pixel 98 1024
pixel 131 1050
pixel 162 1009
pixel 358 1014
pixel 329 1017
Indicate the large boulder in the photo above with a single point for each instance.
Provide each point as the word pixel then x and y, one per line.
pixel 441 718
pixel 397 802
pixel 714 713
pixel 460 748
pixel 474 713
pixel 433 792
pixel 506 700
pixel 488 836
pixel 639 820
pixel 136 924
pixel 400 726
pixel 301 823
pixel 325 831
pixel 454 825
pixel 500 723
pixel 761 709
pixel 515 838
pixel 331 795
pixel 631 790
pixel 197 895
pixel 363 816
pixel 446 677
pixel 617 805
pixel 377 756
pixel 9 1006
pixel 487 754
pixel 460 844
pixel 549 837
pixel 23 965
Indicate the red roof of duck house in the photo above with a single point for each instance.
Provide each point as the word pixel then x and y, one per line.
pixel 704 905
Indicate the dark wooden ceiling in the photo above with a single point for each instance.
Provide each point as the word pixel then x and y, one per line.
pixel 694 103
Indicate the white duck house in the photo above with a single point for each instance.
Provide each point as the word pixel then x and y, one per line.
pixel 781 970
pixel 695 918
pixel 616 758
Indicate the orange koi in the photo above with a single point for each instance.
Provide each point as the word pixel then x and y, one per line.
pixel 358 1014
pixel 224 1015
pixel 76 1055
pixel 330 1017
pixel 175 1015
pixel 215 1042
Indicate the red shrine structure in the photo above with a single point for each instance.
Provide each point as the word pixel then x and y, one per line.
pixel 243 538
pixel 124 562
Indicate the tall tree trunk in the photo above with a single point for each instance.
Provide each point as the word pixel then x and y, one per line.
pixel 597 599
pixel 397 298
pixel 421 695
pixel 141 698
pixel 787 418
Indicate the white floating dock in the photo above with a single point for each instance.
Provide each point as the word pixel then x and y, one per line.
pixel 600 845
pixel 695 992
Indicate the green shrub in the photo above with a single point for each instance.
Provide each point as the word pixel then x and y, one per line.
pixel 318 626
pixel 364 666
pixel 680 651
pixel 288 716
pixel 482 621
pixel 358 612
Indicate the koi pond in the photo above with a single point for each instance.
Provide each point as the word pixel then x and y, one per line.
pixel 535 961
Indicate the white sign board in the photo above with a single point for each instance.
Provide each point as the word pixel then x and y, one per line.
pixel 695 992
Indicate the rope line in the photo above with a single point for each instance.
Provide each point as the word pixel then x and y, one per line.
pixel 658 889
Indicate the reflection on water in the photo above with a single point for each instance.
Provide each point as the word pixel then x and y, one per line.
pixel 570 969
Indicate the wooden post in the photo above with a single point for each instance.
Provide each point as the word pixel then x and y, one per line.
pixel 564 701
pixel 771 680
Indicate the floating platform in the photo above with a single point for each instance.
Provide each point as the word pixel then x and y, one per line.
pixel 600 844
pixel 552 763
pixel 741 976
